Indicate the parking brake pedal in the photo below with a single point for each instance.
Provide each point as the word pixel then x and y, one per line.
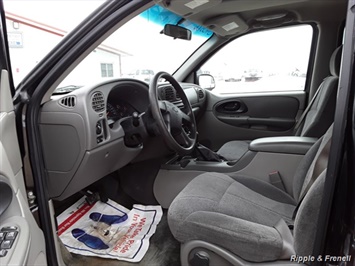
pixel 91 198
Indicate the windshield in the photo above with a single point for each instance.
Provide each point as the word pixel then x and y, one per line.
pixel 136 50
pixel 139 50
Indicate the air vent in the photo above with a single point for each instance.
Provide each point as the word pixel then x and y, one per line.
pixel 68 101
pixel 179 104
pixel 169 94
pixel 98 102
pixel 201 94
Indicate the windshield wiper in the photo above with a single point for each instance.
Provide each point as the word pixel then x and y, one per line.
pixel 66 89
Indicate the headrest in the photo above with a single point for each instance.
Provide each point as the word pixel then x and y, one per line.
pixel 334 64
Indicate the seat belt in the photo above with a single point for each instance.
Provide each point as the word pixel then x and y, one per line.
pixel 319 166
pixel 287 239
pixel 304 114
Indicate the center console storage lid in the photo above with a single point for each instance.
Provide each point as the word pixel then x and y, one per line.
pixel 290 145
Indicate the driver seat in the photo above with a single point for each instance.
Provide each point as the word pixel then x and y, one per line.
pixel 242 219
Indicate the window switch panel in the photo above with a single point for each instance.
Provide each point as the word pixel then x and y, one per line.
pixel 8 235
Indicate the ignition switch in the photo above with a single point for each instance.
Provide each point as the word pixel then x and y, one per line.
pixel 98 128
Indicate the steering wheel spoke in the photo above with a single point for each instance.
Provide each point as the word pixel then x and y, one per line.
pixel 185 117
pixel 162 106
pixel 166 118
pixel 184 139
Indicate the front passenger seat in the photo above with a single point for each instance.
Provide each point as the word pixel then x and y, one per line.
pixel 317 117
pixel 248 219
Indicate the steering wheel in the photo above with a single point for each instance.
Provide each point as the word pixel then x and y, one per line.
pixel 177 126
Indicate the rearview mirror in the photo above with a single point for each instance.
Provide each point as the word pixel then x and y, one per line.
pixel 177 32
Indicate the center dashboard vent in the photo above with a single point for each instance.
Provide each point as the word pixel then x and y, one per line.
pixel 169 94
pixel 98 102
pixel 68 101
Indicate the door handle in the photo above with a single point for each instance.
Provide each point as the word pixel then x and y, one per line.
pixel 231 107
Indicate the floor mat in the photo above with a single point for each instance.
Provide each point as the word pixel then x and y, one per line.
pixel 163 250
pixel 108 230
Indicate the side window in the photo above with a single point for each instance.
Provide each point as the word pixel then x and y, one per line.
pixel 271 60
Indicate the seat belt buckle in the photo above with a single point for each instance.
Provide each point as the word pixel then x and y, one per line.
pixel 275 179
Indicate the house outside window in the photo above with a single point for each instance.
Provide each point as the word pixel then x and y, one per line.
pixel 106 70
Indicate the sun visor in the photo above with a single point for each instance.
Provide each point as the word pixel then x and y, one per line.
pixel 187 7
pixel 226 25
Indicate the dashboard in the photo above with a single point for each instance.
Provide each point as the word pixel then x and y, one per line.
pixel 118 110
pixel 86 133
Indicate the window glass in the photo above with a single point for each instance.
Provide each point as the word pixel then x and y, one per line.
pixel 271 60
pixel 35 27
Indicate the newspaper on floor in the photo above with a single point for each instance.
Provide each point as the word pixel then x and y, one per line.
pixel 108 230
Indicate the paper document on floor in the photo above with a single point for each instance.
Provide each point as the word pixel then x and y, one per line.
pixel 108 230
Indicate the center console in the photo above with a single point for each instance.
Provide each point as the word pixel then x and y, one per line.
pixel 279 145
pixel 265 156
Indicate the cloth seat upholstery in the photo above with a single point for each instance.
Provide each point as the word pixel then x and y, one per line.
pixel 219 210
pixel 240 213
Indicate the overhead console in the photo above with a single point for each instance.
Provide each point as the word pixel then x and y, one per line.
pixel 186 8
pixel 193 10
pixel 226 25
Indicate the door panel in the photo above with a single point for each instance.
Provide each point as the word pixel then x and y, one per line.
pixel 21 240
pixel 272 113
pixel 249 116
pixel 260 84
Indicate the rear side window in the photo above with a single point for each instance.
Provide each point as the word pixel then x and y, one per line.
pixel 270 60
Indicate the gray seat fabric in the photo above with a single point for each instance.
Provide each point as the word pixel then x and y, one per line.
pixel 239 214
pixel 318 119
pixel 217 209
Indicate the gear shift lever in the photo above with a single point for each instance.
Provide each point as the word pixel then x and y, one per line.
pixel 205 154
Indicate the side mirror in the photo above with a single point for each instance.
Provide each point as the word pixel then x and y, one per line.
pixel 206 81
pixel 177 32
